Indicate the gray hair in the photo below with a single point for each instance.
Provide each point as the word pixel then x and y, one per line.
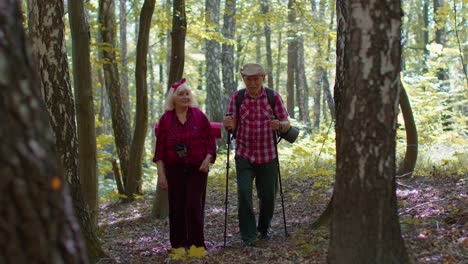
pixel 169 104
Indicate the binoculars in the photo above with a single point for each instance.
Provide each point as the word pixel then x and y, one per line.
pixel 290 135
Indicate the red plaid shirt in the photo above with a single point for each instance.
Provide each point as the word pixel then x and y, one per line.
pixel 195 134
pixel 254 136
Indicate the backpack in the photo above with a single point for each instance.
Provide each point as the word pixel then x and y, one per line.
pixel 240 96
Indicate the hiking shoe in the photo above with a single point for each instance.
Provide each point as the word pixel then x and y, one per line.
pixel 248 243
pixel 264 236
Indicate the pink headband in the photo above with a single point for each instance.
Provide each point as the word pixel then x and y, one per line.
pixel 176 85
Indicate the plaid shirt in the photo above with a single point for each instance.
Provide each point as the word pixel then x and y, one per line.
pixel 254 136
pixel 195 134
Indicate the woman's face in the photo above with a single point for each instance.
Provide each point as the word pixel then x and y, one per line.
pixel 182 98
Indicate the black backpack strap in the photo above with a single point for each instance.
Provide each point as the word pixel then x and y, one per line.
pixel 271 98
pixel 239 98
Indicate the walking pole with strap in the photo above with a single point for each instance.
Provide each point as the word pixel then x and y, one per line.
pixel 227 184
pixel 279 179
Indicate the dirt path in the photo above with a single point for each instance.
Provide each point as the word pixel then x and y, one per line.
pixel 433 215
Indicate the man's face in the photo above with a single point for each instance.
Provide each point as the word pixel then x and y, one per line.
pixel 253 83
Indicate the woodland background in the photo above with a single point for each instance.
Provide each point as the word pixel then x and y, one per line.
pixel 108 64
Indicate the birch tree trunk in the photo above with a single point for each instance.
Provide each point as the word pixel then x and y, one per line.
pixel 37 224
pixel 48 49
pixel 365 226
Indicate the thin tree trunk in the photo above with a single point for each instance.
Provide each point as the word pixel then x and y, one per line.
pixel 278 60
pixel 214 104
pixel 83 87
pixel 119 110
pixel 134 179
pixel 179 30
pixel 123 54
pixel 179 26
pixel 227 59
pixel 302 93
pixel 292 55
pixel 37 224
pixel 265 10
pixel 411 155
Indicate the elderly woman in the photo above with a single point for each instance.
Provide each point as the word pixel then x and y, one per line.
pixel 185 148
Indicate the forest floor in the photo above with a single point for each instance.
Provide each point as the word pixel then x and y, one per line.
pixel 433 215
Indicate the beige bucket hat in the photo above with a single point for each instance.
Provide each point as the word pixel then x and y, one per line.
pixel 252 69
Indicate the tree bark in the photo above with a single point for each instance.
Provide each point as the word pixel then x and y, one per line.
pixel 83 87
pixel 37 224
pixel 134 179
pixel 214 102
pixel 123 54
pixel 179 29
pixel 365 226
pixel 227 59
pixel 48 49
pixel 119 109
pixel 267 29
pixel 411 155
pixel 302 91
pixel 292 56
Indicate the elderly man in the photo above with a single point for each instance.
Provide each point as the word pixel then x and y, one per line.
pixel 253 115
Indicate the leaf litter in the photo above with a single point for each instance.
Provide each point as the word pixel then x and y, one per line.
pixel 433 215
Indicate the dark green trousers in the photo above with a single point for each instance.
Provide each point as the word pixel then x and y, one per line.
pixel 266 183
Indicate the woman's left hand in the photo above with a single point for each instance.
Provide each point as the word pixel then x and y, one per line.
pixel 205 166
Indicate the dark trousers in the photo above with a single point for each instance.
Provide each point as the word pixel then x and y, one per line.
pixel 266 183
pixel 187 190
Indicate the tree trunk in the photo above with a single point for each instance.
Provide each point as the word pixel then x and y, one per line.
pixel 214 103
pixel 134 179
pixel 265 10
pixel 365 226
pixel 440 34
pixel 425 30
pixel 411 155
pixel 37 224
pixel 278 60
pixel 179 30
pixel 227 59
pixel 227 54
pixel 123 54
pixel 302 92
pixel 179 27
pixel 119 109
pixel 292 56
pixel 152 94
pixel 49 50
pixel 83 87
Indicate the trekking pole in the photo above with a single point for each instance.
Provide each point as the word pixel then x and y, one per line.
pixel 227 184
pixel 279 179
